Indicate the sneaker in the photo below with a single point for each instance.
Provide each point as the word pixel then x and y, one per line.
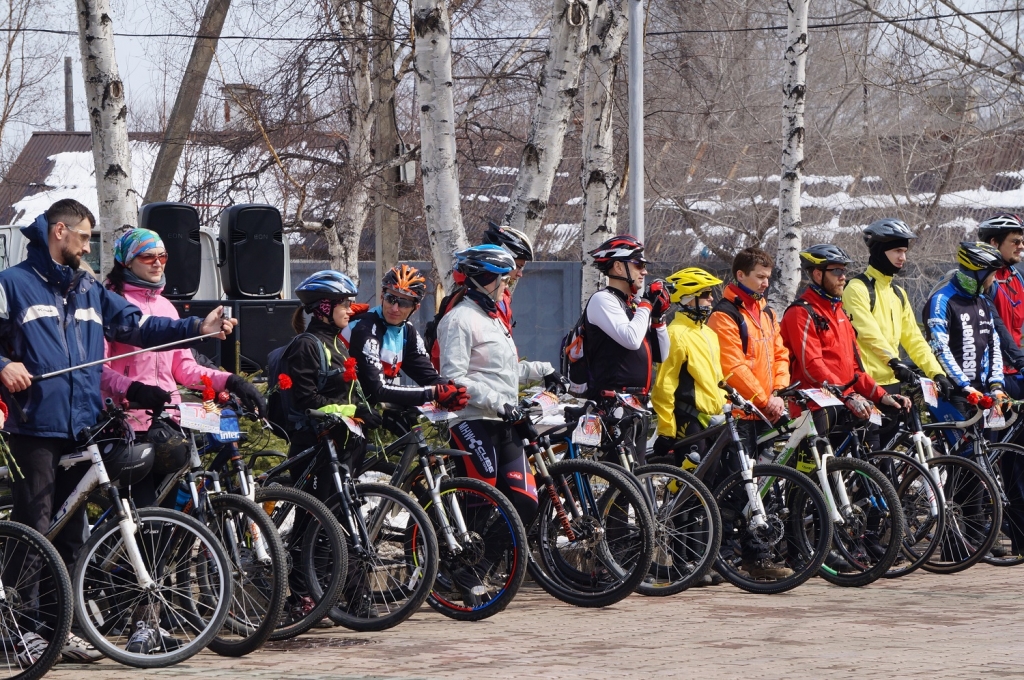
pixel 145 639
pixel 999 550
pixel 472 588
pixel 766 570
pixel 716 578
pixel 703 581
pixel 837 563
pixel 78 650
pixel 30 647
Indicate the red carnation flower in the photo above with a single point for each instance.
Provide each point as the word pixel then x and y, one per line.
pixel 284 381
pixel 350 370
pixel 208 394
pixel 207 381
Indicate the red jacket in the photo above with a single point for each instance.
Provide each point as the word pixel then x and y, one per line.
pixel 824 349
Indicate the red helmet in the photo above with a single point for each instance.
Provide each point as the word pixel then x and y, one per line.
pixel 619 248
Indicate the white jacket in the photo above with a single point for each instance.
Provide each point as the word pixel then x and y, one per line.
pixel 477 351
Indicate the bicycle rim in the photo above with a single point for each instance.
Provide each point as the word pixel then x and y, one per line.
pixel 973 514
pixel 1007 468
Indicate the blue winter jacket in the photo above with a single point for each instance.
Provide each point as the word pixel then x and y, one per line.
pixel 53 317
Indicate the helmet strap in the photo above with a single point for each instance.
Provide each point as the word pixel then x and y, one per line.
pixel 627 278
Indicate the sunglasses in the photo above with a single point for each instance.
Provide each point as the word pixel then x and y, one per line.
pixel 344 304
pixel 150 258
pixel 838 272
pixel 706 295
pixel 403 303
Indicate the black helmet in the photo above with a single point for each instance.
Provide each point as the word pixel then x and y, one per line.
pixel 126 463
pixel 170 447
pixel 405 280
pixel 513 240
pixel 979 257
pixel 485 259
pixel 885 230
pixel 822 255
pixel 326 285
pixel 997 227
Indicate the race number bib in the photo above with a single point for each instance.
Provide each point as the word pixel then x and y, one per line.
pixel 196 417
pixel 588 431
pixel 821 397
pixel 434 414
pixel 930 392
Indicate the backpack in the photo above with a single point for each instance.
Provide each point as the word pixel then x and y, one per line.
pixel 572 360
pixel 448 303
pixel 280 410
pixel 731 308
pixel 820 322
pixel 869 283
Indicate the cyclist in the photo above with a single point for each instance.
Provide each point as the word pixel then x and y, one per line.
pixel 384 342
pixel 52 316
pixel 882 314
pixel 519 244
pixel 151 379
pixel 686 394
pixel 822 341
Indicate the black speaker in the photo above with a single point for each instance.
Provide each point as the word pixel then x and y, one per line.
pixel 253 241
pixel 210 347
pixel 178 226
pixel 263 326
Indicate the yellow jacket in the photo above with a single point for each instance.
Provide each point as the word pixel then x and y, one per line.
pixel 881 333
pixel 688 379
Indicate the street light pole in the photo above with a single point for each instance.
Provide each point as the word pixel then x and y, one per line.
pixel 636 118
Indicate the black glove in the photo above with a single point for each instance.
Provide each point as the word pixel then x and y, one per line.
pixel 251 397
pixel 945 385
pixel 554 382
pixel 147 396
pixel 663 446
pixel 512 414
pixel 657 295
pixel 903 372
pixel 371 419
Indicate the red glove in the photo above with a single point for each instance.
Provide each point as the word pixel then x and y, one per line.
pixel 657 295
pixel 451 397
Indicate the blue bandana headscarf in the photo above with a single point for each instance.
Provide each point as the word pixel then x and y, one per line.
pixel 135 242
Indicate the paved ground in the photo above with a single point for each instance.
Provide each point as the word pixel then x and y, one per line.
pixel 967 625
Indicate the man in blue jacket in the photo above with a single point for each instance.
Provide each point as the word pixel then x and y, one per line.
pixel 54 316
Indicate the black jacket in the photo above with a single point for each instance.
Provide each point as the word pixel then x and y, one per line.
pixel 381 352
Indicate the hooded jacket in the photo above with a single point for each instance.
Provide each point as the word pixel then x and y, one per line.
pixel 882 331
pixel 53 317
pixel 477 351
pixel 165 370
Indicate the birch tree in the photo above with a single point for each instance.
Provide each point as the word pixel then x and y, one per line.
pixel 794 82
pixel 108 120
pixel 601 180
pixel 557 91
pixel 439 168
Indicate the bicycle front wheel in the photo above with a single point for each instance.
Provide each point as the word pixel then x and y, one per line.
pixel 687 529
pixel 35 602
pixel 393 558
pixel 973 514
pixel 1007 465
pixel 157 625
pixel 789 547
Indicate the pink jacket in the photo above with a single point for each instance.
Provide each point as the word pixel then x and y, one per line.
pixel 166 369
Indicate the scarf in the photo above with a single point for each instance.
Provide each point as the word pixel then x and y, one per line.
pixel 131 278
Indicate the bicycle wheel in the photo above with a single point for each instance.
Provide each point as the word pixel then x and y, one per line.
pixel 924 513
pixel 178 616
pixel 687 529
pixel 392 573
pixel 793 544
pixel 871 535
pixel 316 555
pixel 973 515
pixel 35 602
pixel 592 541
pixel 481 576
pixel 1007 468
pixel 259 568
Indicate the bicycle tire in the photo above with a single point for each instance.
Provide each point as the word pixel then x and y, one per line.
pixel 51 580
pixel 406 557
pixel 481 505
pixel 260 586
pixel 871 537
pixel 967 537
pixel 315 548
pixel 687 530
pixel 800 541
pixel 613 543
pixel 924 513
pixel 1013 517
pixel 104 576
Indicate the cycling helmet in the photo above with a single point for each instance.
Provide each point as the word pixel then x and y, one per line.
pixel 405 280
pixel 326 285
pixel 887 229
pixel 170 447
pixel 690 281
pixel 485 259
pixel 513 240
pixel 978 257
pixel 618 249
pixel 822 255
pixel 997 227
pixel 126 463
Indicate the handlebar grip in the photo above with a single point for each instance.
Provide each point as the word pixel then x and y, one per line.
pixel 313 413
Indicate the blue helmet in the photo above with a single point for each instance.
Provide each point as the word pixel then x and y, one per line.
pixel 485 259
pixel 326 285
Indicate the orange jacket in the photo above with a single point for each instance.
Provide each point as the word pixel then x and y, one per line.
pixel 765 366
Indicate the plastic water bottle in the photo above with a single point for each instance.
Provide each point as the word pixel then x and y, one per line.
pixel 692 460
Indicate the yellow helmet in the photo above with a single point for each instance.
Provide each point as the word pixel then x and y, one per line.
pixel 690 281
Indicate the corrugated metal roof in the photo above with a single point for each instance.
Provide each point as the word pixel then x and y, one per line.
pixel 33 166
